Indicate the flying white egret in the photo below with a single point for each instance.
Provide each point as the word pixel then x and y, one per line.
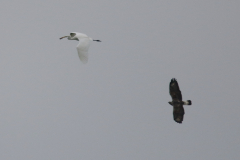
pixel 82 47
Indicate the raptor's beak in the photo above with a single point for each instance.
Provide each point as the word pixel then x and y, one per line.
pixel 63 37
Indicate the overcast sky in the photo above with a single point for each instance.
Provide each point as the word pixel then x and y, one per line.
pixel 115 107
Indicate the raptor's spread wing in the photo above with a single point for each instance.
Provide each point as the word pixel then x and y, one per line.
pixel 175 91
pixel 178 113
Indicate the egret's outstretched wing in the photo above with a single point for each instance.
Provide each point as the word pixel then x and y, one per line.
pixel 82 49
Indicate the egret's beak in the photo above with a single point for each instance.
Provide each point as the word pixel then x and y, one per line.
pixel 63 37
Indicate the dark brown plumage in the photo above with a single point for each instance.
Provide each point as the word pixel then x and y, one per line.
pixel 177 103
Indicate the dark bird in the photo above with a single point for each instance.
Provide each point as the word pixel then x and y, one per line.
pixel 177 103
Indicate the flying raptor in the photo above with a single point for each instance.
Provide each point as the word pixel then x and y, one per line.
pixel 177 103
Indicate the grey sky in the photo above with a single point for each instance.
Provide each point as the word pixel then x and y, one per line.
pixel 115 107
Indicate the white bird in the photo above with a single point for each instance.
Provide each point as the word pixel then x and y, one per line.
pixel 82 47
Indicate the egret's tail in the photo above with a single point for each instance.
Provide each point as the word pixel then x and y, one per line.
pixel 188 102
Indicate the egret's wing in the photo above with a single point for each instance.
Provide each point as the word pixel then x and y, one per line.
pixel 82 49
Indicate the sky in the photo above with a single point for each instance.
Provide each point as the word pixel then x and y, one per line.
pixel 115 107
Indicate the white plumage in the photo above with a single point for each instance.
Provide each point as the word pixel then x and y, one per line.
pixel 82 47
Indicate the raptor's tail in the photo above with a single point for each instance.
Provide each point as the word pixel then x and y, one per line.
pixel 188 102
